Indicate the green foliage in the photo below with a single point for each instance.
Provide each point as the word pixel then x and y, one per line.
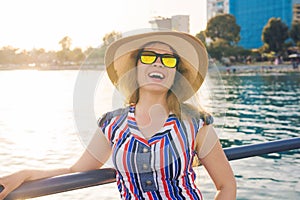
pixel 223 27
pixel 298 45
pixel 274 34
pixel 224 34
pixel 66 56
pixel 201 36
pixel 95 55
pixel 77 55
pixel 219 51
pixel 294 32
pixel 111 37
pixel 8 55
pixel 65 43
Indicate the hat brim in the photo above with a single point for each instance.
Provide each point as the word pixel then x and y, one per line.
pixel 120 58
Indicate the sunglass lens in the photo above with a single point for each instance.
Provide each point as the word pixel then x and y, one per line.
pixel 169 61
pixel 148 57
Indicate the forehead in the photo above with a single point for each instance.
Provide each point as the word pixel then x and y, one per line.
pixel 158 46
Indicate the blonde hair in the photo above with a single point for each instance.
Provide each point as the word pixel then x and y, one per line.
pixel 129 85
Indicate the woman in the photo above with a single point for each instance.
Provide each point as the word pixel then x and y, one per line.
pixel 153 140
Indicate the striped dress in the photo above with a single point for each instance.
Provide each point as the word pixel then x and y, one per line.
pixel 157 168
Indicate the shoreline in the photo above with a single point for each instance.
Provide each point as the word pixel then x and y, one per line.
pixel 258 68
pixel 233 69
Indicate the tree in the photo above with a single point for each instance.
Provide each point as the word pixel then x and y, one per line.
pixel 201 36
pixel 111 37
pixel 8 55
pixel 77 55
pixel 95 55
pixel 295 32
pixel 65 53
pixel 223 27
pixel 274 34
pixel 65 43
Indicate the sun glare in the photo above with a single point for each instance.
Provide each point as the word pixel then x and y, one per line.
pixel 42 24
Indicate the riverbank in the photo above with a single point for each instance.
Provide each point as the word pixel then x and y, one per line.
pixel 234 69
pixel 258 68
pixel 46 67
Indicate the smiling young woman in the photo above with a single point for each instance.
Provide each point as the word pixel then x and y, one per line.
pixel 154 139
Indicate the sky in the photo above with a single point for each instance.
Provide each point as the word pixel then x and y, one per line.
pixel 28 24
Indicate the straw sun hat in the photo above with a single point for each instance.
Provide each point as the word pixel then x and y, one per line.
pixel 120 61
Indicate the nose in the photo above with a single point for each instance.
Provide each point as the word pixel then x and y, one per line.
pixel 158 63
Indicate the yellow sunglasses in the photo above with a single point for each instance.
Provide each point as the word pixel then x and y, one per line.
pixel 149 57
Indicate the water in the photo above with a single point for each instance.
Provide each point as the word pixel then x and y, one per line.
pixel 38 130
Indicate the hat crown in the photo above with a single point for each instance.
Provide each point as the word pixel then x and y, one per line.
pixel 120 59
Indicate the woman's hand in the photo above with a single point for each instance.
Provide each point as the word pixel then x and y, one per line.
pixel 11 182
pixel 97 153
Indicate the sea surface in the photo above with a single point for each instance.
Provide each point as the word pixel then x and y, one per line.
pixel 41 114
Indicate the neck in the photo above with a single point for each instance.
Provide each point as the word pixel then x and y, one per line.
pixel 151 111
pixel 148 99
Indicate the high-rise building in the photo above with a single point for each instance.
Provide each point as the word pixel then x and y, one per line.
pixel 253 15
pixel 216 7
pixel 296 11
pixel 176 22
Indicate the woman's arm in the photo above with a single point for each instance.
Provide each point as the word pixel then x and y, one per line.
pixel 97 153
pixel 217 165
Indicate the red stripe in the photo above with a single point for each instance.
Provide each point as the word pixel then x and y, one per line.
pixel 193 137
pixel 131 118
pixel 186 188
pixel 110 127
pixel 125 153
pixel 162 163
pixel 193 134
pixel 149 195
pixel 180 141
pixel 126 170
pixel 125 166
pixel 143 140
pixel 184 156
pixel 186 175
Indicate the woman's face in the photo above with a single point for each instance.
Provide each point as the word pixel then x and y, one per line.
pixel 156 76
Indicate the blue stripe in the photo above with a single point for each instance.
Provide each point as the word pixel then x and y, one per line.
pixel 181 132
pixel 176 161
pixel 129 163
pixel 115 126
pixel 173 162
pixel 166 169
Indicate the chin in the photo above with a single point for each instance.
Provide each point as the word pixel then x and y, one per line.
pixel 155 87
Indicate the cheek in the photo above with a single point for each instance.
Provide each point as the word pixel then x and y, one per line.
pixel 140 72
pixel 171 76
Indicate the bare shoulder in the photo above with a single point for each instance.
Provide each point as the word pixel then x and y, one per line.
pixel 206 139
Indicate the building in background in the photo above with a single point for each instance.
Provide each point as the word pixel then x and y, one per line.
pixel 216 7
pixel 253 15
pixel 176 22
pixel 296 11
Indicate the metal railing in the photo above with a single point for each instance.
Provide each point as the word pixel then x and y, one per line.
pixel 76 181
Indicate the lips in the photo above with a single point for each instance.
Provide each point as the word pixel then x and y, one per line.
pixel 156 75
